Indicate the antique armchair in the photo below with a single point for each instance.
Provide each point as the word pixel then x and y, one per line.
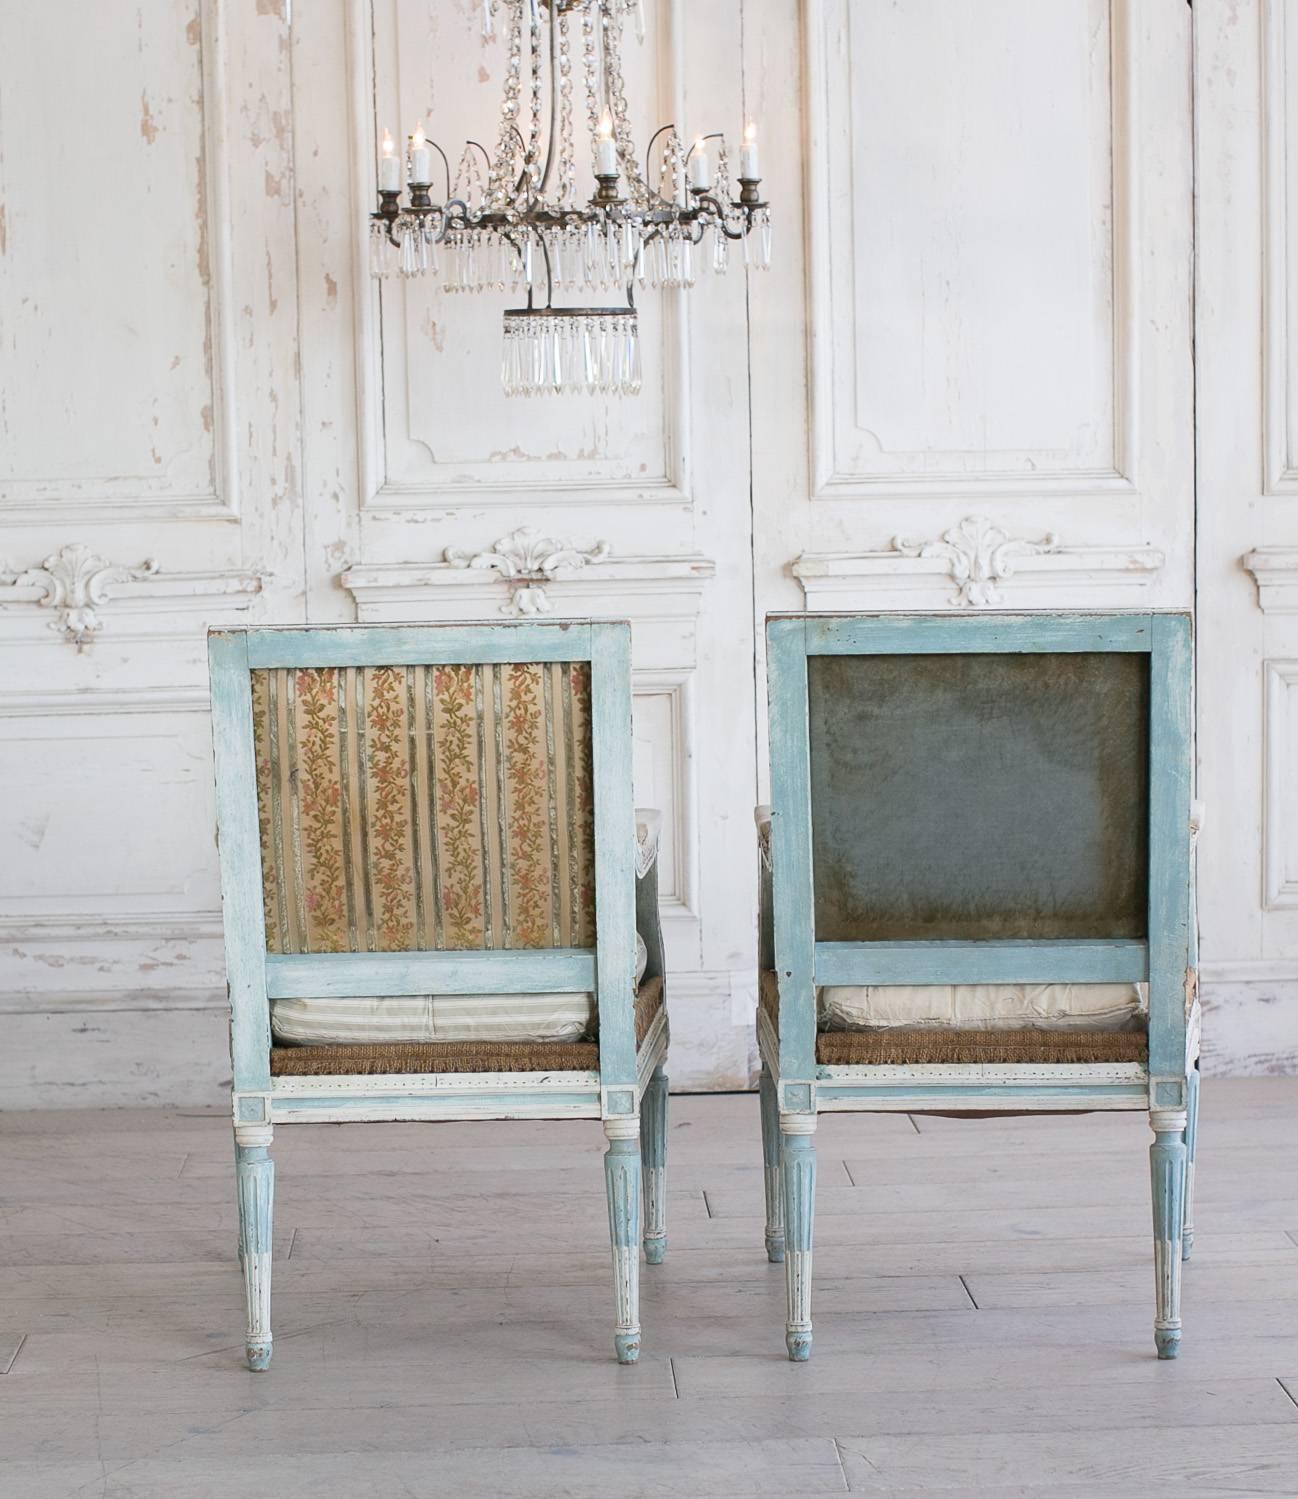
pixel 977 892
pixel 431 893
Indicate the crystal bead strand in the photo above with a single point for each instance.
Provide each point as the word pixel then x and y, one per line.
pixel 501 186
pixel 567 145
pixel 534 128
pixel 637 188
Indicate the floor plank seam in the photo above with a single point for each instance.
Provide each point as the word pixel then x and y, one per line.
pixel 707 1205
pixel 968 1292
pixel 676 1389
pixel 291 1242
pixel 842 1466
pixel 1288 1391
pixel 22 1343
pixel 848 1170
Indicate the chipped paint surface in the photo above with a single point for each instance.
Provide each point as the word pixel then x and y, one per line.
pixel 184 439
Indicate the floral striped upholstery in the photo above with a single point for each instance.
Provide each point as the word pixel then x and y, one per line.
pixel 417 808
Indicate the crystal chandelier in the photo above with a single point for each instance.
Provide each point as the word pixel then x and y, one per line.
pixel 521 220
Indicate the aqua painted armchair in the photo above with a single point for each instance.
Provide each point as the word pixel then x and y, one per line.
pixel 977 892
pixel 432 878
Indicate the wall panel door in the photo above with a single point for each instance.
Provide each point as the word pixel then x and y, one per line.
pixel 1247 306
pixel 987 399
pixel 149 487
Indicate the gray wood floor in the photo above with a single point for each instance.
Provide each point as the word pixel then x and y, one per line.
pixel 443 1325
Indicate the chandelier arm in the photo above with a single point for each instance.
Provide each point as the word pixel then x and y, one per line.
pixel 446 165
pixel 706 200
pixel 486 155
pixel 650 190
pixel 453 219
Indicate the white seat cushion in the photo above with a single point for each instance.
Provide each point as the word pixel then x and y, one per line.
pixel 440 1017
pixel 981 1007
pixel 434 1017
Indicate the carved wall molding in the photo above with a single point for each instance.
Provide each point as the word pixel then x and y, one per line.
pixel 978 553
pixel 78 583
pixel 527 560
pixel 1275 571
pixel 1280 891
pixel 662 592
pixel 978 556
pixel 75 580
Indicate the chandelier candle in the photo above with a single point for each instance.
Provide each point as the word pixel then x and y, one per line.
pixel 421 159
pixel 389 166
pixel 700 167
pixel 560 205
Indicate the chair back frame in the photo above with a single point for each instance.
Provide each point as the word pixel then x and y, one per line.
pixel 255 977
pixel 801 962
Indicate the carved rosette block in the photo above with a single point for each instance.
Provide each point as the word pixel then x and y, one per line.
pixel 75 580
pixel 528 560
pixel 978 554
pixel 256 1181
pixel 798 1179
pixel 1167 1158
pixel 653 1159
pixel 622 1177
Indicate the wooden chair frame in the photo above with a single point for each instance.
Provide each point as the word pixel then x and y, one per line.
pixel 630 1082
pixel 795 1089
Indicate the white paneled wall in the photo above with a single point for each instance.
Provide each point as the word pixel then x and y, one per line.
pixel 969 381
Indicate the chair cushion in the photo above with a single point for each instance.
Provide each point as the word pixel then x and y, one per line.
pixel 978 1007
pixel 554 1019
pixel 370 1059
pixel 905 1046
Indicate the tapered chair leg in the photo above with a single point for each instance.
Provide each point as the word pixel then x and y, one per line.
pixel 653 1159
pixel 622 1176
pixel 771 1167
pixel 1191 1141
pixel 798 1173
pixel 1167 1179
pixel 255 1173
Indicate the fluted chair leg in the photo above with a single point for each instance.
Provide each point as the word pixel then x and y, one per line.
pixel 255 1172
pixel 622 1176
pixel 771 1168
pixel 1191 1143
pixel 1167 1179
pixel 798 1173
pixel 653 1159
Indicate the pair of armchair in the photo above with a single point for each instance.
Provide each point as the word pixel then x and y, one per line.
pixel 441 904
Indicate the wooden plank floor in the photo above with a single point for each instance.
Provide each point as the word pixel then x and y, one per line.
pixel 442 1304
